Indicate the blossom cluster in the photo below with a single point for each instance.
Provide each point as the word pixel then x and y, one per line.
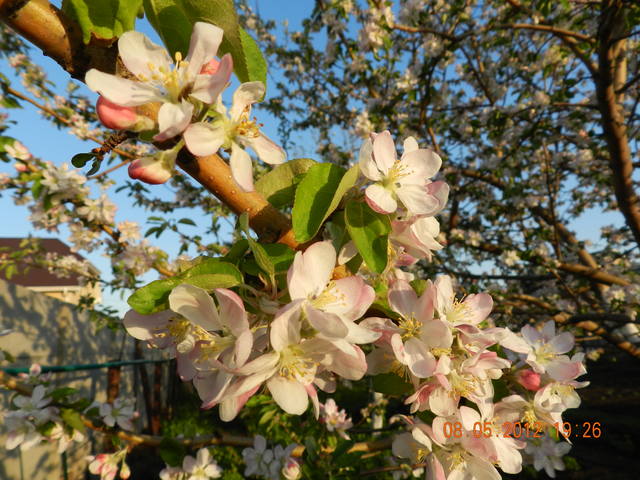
pixel 191 110
pixel 444 347
pixel 547 380
pixel 270 464
pixel 32 419
pixel 200 467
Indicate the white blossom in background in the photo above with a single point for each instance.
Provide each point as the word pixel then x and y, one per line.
pixel 546 454
pixel 129 231
pixel 99 210
pixel 202 467
pixel 121 412
pixel 335 419
pixel 270 464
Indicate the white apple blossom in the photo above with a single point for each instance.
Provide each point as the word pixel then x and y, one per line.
pixel 546 453
pixel 203 467
pixel 404 180
pixel 235 131
pixel 335 419
pixel 179 88
pixel 121 412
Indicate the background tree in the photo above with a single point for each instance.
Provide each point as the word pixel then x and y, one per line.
pixel 533 106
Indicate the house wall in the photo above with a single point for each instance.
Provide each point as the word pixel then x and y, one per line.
pixel 50 332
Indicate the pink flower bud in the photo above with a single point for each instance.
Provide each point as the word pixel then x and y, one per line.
pixel 529 379
pixel 20 167
pixel 149 170
pixel 115 116
pixel 210 68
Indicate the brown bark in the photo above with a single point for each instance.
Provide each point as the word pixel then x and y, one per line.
pixel 60 38
pixel 613 123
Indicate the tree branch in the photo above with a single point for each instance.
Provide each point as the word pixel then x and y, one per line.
pixel 613 125
pixel 59 38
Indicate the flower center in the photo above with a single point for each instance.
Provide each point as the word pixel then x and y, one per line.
pixel 410 327
pixel 245 127
pixel 396 172
pixel 329 296
pixel 171 80
pixel 296 365
pixel 458 311
pixel 462 384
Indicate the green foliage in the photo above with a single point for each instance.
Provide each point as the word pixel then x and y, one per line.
pixel 279 185
pixel 104 19
pixel 72 418
pixel 174 19
pixel 172 452
pixel 391 384
pixel 318 195
pixel 208 274
pixel 369 231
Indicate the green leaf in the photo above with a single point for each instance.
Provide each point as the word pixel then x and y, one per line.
pixel 248 62
pixel 259 253
pixel 391 384
pixel 187 221
pixel 279 185
pixel 79 160
pixel 174 19
pixel 256 64
pixel 370 233
pixel 280 255
pixel 95 166
pixel 318 195
pixel 172 452
pixel 4 141
pixel 208 274
pixel 73 419
pixel 62 392
pixel 104 19
pixel 169 19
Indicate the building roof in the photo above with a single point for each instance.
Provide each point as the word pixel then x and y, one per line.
pixel 36 276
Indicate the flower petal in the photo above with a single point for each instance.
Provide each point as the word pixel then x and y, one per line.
pixel 173 119
pixel 207 88
pixel 416 199
pixel 328 324
pixel 289 394
pixel 142 326
pixel 267 150
pixel 246 95
pixel 152 170
pixel 384 151
pixel 311 270
pixel 204 138
pixel 122 91
pixel 139 55
pixel 203 46
pixel 403 299
pixel 195 305
pixel 423 163
pixel 232 312
pixel 410 145
pixel 380 199
pixel 368 166
pixel 241 167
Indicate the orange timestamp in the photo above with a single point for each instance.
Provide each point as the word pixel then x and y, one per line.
pixel 522 430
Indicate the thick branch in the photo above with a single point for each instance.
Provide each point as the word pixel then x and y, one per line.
pixel 613 124
pixel 59 38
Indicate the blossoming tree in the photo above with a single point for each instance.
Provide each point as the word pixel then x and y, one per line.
pixel 320 295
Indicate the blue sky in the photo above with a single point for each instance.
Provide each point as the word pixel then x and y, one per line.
pixel 59 146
